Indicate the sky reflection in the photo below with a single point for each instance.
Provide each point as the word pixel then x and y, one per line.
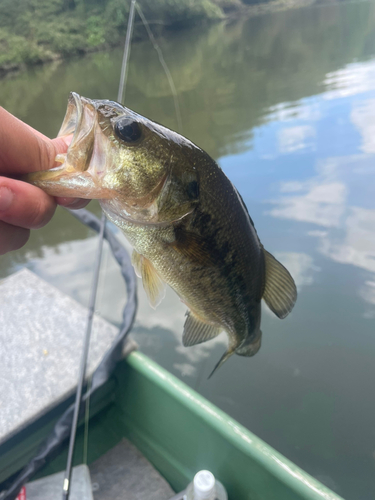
pixel 286 104
pixel 315 165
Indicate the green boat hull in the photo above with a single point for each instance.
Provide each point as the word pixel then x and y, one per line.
pixel 179 431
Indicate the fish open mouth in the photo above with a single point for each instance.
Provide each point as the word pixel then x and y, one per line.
pixel 80 121
pixel 76 176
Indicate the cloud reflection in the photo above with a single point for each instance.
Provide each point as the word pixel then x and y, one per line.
pixel 358 245
pixel 185 369
pixel 331 199
pixel 353 79
pixel 367 293
pixel 286 112
pixel 293 139
pixel 322 204
pixel 363 117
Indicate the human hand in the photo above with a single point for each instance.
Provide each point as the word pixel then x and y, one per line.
pixel 23 206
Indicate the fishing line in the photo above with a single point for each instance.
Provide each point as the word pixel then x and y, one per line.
pixel 164 65
pixel 94 288
pixel 125 59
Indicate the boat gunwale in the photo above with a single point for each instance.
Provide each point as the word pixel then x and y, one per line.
pixel 149 374
pixel 274 462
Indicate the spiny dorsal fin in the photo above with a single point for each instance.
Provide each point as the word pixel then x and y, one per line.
pixel 196 332
pixel 280 293
pixel 152 283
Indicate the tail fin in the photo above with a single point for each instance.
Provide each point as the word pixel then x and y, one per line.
pixel 252 345
pixel 222 360
pixel 249 348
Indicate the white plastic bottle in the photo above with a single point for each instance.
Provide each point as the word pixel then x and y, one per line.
pixel 205 487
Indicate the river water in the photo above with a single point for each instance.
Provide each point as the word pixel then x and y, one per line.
pixel 285 103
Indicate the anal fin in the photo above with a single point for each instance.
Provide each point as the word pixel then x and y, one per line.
pixel 280 293
pixel 152 283
pixel 196 331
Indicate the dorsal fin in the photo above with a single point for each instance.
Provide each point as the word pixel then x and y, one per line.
pixel 152 283
pixel 196 332
pixel 280 293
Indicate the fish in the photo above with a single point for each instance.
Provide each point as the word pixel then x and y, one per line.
pixel 188 224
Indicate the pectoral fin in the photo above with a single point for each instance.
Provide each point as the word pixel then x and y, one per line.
pixel 196 332
pixel 152 283
pixel 280 293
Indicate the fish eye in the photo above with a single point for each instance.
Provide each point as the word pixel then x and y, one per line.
pixel 193 190
pixel 128 130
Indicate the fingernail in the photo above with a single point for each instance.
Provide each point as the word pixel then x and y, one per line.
pixel 67 139
pixel 6 198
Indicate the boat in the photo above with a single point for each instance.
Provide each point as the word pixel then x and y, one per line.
pixel 177 431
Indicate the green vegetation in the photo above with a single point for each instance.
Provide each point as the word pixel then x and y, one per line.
pixel 32 31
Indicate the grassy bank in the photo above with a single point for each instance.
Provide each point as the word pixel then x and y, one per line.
pixel 33 31
pixel 36 31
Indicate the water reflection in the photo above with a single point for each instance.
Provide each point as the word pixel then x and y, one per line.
pixel 353 79
pixel 286 104
pixel 356 245
pixel 336 198
pixel 323 203
pixel 363 117
pixel 292 139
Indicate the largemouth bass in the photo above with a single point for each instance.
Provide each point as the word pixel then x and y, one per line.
pixel 186 221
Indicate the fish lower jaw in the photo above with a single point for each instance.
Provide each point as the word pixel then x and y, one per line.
pixel 65 181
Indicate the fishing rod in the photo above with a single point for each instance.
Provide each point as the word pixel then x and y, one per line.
pixel 82 369
pixel 94 287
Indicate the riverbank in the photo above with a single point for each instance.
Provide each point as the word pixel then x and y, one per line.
pixel 46 30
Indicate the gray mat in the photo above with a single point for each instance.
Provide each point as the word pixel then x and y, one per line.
pixel 41 338
pixel 50 488
pixel 124 474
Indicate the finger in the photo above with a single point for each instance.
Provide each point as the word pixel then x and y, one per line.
pixel 24 205
pixel 22 150
pixel 12 237
pixel 72 203
pixel 34 131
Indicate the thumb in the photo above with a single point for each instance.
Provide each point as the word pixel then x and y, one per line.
pixel 47 151
pixel 23 149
